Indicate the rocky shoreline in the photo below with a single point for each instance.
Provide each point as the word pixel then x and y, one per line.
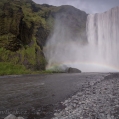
pixel 97 101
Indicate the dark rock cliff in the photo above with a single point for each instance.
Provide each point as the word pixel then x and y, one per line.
pixel 25 27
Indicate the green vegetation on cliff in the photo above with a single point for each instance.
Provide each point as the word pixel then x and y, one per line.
pixel 24 29
pixel 7 68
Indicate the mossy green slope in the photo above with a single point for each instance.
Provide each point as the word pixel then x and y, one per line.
pixel 25 27
pixel 18 27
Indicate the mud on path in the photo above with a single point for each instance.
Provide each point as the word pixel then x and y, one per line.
pixel 39 96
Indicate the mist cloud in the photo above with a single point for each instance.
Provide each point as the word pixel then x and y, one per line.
pixel 63 48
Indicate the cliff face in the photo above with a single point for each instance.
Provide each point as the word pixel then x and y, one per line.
pixel 9 27
pixel 25 27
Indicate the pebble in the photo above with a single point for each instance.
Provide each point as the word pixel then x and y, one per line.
pixel 20 118
pixel 11 116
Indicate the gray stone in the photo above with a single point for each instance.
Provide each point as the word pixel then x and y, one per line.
pixel 10 117
pixel 20 118
pixel 73 70
pixel 13 117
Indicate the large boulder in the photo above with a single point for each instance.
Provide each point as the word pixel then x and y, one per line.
pixel 73 70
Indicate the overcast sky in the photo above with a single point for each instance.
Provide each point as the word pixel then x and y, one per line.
pixel 90 6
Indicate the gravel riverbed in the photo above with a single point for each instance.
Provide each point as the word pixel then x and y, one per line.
pixel 61 96
pixel 96 100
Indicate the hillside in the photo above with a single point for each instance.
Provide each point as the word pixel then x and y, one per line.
pixel 25 27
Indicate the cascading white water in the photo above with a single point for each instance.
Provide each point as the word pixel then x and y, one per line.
pixel 103 37
pixel 99 55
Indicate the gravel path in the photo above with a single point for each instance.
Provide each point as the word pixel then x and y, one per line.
pixel 97 100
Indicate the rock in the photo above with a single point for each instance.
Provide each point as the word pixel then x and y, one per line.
pixel 20 118
pixel 10 117
pixel 73 70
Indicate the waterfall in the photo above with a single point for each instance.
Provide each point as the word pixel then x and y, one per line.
pixel 103 36
pixel 99 54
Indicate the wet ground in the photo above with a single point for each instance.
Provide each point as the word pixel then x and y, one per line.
pixel 60 96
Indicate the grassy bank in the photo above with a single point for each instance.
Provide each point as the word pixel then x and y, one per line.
pixel 7 68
